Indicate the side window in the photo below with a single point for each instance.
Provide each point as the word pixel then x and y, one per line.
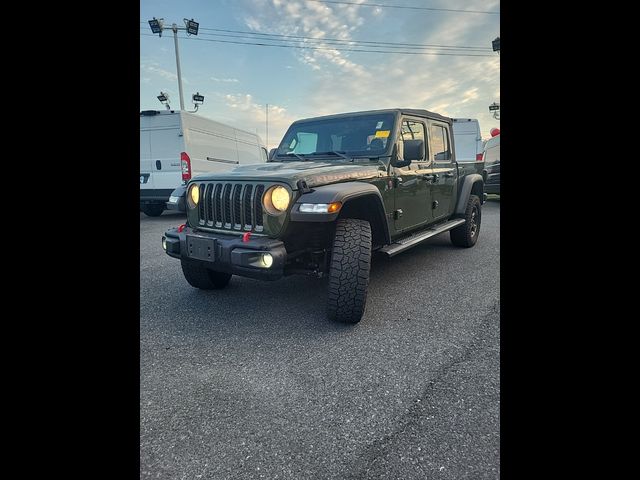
pixel 440 143
pixel 411 133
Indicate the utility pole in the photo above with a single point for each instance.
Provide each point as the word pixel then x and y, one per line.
pixel 267 139
pixel 191 27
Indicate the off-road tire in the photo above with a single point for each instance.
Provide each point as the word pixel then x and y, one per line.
pixel 466 235
pixel 152 209
pixel 203 278
pixel 349 270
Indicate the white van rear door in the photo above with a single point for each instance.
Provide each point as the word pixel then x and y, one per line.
pixel 146 180
pixel 166 144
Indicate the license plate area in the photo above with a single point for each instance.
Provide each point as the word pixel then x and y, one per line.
pixel 200 248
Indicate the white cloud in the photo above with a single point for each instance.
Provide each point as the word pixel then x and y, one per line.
pixel 225 80
pixel 252 116
pixel 155 69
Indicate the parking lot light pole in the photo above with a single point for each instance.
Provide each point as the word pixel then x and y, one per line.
pixel 174 27
pixel 191 27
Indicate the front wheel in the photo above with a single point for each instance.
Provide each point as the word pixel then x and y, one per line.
pixel 349 270
pixel 203 278
pixel 466 235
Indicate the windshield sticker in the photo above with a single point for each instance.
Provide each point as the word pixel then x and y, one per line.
pixel 379 124
pixel 383 133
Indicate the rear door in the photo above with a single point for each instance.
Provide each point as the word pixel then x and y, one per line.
pixel 146 181
pixel 166 146
pixel 444 170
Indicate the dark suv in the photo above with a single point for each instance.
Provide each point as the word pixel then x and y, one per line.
pixel 338 188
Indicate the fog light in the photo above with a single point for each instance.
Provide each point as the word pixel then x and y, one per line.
pixel 267 260
pixel 164 244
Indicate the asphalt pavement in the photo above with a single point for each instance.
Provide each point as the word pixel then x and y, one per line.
pixel 255 382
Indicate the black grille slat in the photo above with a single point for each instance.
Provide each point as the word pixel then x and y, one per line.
pixel 208 197
pixel 237 220
pixel 217 194
pixel 248 211
pixel 201 204
pixel 258 207
pixel 231 206
pixel 226 201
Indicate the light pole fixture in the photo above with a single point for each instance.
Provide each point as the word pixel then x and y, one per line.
pixel 496 45
pixel 197 101
pixel 164 99
pixel 495 108
pixel 156 25
pixel 191 27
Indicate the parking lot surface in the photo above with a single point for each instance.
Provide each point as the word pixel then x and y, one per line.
pixel 255 382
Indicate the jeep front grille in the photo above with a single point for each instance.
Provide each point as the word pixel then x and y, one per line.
pixel 231 206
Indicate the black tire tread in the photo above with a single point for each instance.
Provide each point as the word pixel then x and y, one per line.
pixel 461 236
pixel 349 270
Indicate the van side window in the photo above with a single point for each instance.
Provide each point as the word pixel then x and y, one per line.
pixel 440 143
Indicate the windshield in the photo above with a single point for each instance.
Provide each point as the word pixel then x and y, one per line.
pixel 358 135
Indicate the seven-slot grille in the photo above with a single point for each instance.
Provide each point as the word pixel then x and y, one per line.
pixel 231 206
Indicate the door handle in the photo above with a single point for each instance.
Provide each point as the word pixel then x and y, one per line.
pixel 158 164
pixel 448 175
pixel 427 177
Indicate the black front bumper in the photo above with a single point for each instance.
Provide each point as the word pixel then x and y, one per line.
pixel 228 253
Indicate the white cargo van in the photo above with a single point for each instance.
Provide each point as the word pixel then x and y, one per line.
pixel 176 145
pixel 467 139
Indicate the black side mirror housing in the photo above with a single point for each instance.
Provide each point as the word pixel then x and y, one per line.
pixel 272 153
pixel 412 150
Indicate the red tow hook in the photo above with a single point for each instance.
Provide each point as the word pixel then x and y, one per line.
pixel 182 227
pixel 246 237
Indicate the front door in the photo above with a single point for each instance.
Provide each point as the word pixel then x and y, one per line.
pixel 413 183
pixel 444 171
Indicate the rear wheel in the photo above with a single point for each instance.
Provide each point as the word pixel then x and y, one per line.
pixel 349 270
pixel 466 235
pixel 203 278
pixel 152 209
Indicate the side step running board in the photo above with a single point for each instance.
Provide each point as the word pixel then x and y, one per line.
pixel 411 241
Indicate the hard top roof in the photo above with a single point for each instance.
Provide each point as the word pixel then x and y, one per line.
pixel 406 111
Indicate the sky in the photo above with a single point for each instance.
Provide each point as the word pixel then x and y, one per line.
pixel 238 81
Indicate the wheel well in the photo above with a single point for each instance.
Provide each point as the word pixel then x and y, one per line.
pixel 478 189
pixel 367 207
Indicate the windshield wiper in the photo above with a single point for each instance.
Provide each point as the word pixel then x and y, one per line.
pixel 296 155
pixel 334 152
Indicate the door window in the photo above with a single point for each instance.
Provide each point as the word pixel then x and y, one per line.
pixel 440 144
pixel 412 131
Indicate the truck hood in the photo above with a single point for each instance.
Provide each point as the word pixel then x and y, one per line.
pixel 315 173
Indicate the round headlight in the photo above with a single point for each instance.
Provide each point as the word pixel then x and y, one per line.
pixel 280 198
pixel 194 195
pixel 276 200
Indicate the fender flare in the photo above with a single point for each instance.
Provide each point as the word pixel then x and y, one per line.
pixel 469 181
pixel 340 192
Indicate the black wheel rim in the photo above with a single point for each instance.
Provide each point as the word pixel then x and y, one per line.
pixel 474 222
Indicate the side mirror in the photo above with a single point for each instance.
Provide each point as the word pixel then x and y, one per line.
pixel 272 153
pixel 409 150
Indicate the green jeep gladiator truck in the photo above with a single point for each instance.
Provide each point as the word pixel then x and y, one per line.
pixel 337 189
